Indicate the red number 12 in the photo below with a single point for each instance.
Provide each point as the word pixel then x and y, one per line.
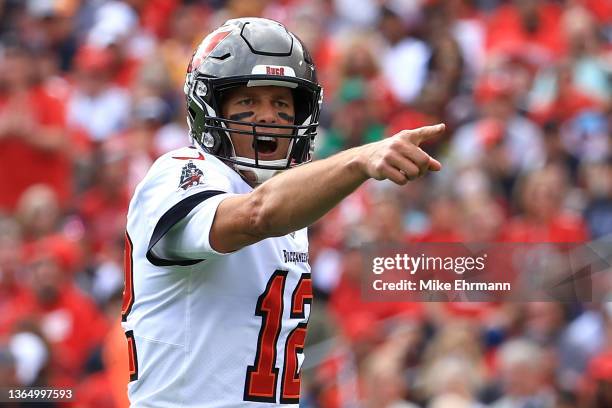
pixel 262 376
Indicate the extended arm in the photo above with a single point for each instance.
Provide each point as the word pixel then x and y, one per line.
pixel 297 198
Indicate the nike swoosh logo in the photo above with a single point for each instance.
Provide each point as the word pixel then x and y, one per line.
pixel 200 157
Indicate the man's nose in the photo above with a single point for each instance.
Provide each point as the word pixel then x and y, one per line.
pixel 266 113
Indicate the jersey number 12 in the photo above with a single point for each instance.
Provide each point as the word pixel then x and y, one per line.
pixel 262 376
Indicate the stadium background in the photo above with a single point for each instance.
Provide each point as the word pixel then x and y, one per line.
pixel 91 94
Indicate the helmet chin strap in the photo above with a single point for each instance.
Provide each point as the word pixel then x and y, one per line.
pixel 261 175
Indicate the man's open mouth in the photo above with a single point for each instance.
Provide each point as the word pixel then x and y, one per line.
pixel 266 144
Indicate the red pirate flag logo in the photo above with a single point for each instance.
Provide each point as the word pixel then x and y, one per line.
pixel 191 176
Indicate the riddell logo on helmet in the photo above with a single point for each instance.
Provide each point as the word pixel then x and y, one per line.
pixel 275 71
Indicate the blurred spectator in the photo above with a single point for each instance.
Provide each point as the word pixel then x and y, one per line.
pixel 97 106
pixel 580 341
pixel 530 27
pixel 362 13
pixel 32 131
pixel 359 322
pixel 106 387
pixel 145 138
pixel 443 213
pixel 456 340
pixel 385 222
pixel 384 383
pixel 15 296
pixel 586 137
pixel 8 375
pixel 359 63
pixel 502 140
pixel 586 52
pixel 524 376
pixel 452 380
pixel 325 262
pixel 427 109
pixel 475 227
pixel 49 26
pixel 544 217
pixel 554 96
pixel 353 123
pixel 31 354
pixel 599 372
pixel 62 311
pixel 446 64
pixel 310 21
pixel 597 178
pixel 187 27
pixel 544 322
pixel 468 27
pixel 38 212
pixel 116 27
pixel 452 401
pixel 404 61
pixel 104 204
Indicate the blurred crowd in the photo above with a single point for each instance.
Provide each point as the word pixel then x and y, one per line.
pixel 91 94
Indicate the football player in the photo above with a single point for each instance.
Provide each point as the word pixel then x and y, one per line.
pixel 217 286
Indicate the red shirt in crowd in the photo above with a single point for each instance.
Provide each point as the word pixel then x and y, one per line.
pixel 22 165
pixel 104 216
pixel 561 228
pixel 73 326
pixel 15 302
pixel 507 33
pixel 359 320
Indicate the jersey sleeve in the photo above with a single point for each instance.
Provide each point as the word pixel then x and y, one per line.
pixel 180 198
pixel 188 241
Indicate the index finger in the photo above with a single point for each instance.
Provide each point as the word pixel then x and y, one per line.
pixel 418 136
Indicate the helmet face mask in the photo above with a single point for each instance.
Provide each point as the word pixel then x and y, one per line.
pixel 252 52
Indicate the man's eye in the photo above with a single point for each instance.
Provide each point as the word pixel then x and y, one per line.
pixel 245 102
pixel 282 104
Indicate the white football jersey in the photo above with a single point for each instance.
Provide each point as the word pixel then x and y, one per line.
pixel 206 329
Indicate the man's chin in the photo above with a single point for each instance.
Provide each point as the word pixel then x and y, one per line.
pixel 249 177
pixel 254 179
